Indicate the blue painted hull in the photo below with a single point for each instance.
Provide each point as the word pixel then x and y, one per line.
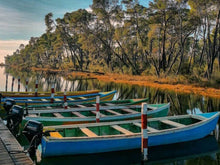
pixel 91 97
pixel 60 147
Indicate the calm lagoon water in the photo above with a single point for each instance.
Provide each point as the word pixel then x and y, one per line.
pixel 205 151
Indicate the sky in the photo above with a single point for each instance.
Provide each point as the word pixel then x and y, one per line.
pixel 22 19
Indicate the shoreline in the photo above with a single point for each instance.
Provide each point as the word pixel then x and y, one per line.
pixel 149 81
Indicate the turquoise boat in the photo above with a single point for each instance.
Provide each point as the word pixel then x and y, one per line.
pixel 84 114
pixel 124 135
pixel 87 104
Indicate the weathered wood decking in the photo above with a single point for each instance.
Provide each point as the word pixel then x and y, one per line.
pixel 10 150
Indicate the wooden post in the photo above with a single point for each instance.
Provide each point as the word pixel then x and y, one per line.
pixel 52 93
pixel 97 109
pixel 26 85
pixel 12 84
pixel 144 134
pixel 19 84
pixel 6 84
pixel 36 88
pixel 65 100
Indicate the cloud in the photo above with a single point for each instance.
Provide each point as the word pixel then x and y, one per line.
pixel 18 25
pixel 25 18
pixel 7 47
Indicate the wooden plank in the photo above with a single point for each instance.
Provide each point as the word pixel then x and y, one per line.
pixel 129 111
pixel 32 115
pixel 82 97
pixel 58 115
pixel 55 135
pixel 88 132
pixel 29 100
pixel 148 128
pixel 122 130
pixel 125 109
pixel 81 106
pixel 44 100
pixel 94 112
pixel 137 124
pixel 70 98
pixel 10 150
pixel 56 99
pixel 152 129
pixel 172 123
pixel 109 104
pixel 113 112
pixel 78 114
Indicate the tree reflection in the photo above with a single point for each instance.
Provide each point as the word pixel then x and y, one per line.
pixel 180 103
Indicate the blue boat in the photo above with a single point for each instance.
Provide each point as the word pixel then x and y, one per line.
pixel 124 135
pixel 175 153
pixel 80 98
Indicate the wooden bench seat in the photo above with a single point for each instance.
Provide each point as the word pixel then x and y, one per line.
pixel 172 123
pixel 122 130
pixel 58 115
pixel 88 132
pixel 148 128
pixel 55 135
pixel 82 97
pixel 113 112
pixel 32 115
pixel 78 114
pixel 81 106
pixel 129 110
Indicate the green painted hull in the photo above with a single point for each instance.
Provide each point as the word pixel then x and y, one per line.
pixel 47 119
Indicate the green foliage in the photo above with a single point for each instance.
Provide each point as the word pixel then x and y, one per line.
pixel 168 38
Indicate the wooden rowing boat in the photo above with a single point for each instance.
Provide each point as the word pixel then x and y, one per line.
pixel 84 114
pixel 87 104
pixel 104 96
pixel 125 135
pixel 175 153
pixel 45 94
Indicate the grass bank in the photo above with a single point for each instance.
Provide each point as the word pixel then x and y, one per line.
pixel 151 81
pixel 169 83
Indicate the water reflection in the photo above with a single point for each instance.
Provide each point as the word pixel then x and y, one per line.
pixel 180 103
pixel 204 151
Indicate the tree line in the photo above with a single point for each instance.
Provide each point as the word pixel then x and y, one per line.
pixel 168 37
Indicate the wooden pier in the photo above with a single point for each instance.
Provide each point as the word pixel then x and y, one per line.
pixel 11 153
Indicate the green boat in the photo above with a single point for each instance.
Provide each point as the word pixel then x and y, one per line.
pixel 87 114
pixel 87 104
